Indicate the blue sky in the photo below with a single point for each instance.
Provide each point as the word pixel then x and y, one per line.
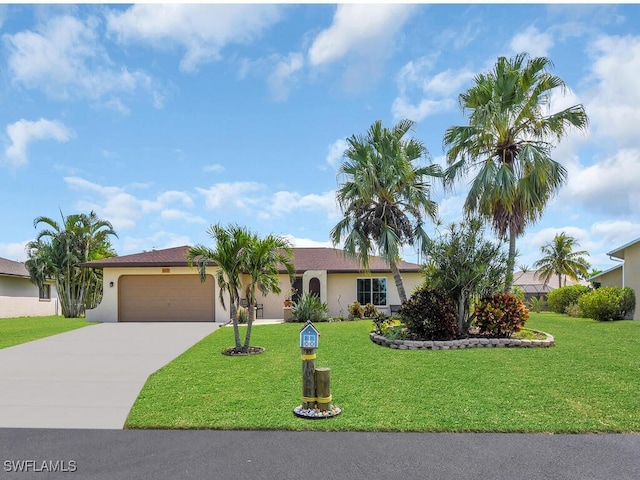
pixel 166 119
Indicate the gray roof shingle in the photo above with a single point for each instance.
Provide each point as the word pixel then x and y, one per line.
pixel 11 268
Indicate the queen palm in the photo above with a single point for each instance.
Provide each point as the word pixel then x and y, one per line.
pixel 230 243
pixel 239 252
pixel 262 260
pixel 59 251
pixel 507 145
pixel 385 196
pixel 560 259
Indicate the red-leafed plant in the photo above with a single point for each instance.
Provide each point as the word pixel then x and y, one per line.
pixel 500 315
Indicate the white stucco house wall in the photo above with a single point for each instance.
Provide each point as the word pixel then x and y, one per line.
pixel 160 286
pixel 21 298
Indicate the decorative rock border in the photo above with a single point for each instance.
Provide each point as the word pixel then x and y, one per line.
pixel 462 343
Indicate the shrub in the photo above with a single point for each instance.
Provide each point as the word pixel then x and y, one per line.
pixel 536 304
pixel 355 310
pixel 518 292
pixel 242 314
pixel 370 311
pixel 573 310
pixel 309 307
pixel 560 298
pixel 500 315
pixel 608 303
pixel 429 315
pixel 382 323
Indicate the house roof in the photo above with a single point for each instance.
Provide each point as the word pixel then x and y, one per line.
pixel 619 252
pixel 13 269
pixel 530 282
pixel 168 257
pixel 608 270
pixel 330 259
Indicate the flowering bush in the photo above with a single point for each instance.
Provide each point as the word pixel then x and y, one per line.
pixel 500 315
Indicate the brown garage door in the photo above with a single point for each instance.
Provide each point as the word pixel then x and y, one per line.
pixel 165 298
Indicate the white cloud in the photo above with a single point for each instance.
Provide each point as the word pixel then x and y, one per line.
pixel 216 168
pixel 301 242
pixel 336 152
pixel 597 239
pixel 65 59
pixel 532 41
pixel 421 94
pixel 236 194
pixel 158 241
pixel 610 185
pixel 124 210
pixel 358 28
pixel 14 251
pixel 23 132
pixel 201 30
pixel 613 105
pixel 284 75
pixel 403 108
pixel 175 214
pixel 284 202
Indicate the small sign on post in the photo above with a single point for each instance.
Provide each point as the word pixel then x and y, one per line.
pixel 309 336
pixel 315 403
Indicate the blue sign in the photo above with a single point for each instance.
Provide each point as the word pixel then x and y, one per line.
pixel 309 336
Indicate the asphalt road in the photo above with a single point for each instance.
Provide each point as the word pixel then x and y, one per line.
pixel 211 454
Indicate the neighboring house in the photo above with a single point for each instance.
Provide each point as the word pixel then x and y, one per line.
pixel 534 286
pixel 21 298
pixel 160 286
pixel 625 274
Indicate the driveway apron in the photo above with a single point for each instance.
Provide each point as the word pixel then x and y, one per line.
pixel 90 377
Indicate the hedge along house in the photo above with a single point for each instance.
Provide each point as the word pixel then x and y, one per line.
pixel 625 274
pixel 21 298
pixel 161 286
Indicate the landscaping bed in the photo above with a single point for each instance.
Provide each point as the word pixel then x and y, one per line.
pixel 471 342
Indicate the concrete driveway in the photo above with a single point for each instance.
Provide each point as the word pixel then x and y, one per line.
pixel 90 377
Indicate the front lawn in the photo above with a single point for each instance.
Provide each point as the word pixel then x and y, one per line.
pixel 588 382
pixel 14 331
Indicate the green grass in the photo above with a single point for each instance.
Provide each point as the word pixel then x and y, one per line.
pixel 588 382
pixel 14 331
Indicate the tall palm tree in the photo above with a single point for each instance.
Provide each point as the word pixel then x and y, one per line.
pixel 58 252
pixel 560 259
pixel 230 244
pixel 384 196
pixel 507 145
pixel 262 261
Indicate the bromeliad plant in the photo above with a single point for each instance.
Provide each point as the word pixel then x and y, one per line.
pixel 309 307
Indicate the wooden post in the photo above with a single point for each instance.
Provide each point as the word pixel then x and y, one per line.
pixel 308 378
pixel 323 388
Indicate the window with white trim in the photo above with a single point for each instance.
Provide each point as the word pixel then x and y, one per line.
pixel 372 290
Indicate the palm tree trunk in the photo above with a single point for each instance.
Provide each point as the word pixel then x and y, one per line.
pixel 234 318
pixel 247 339
pixel 398 280
pixel 511 260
